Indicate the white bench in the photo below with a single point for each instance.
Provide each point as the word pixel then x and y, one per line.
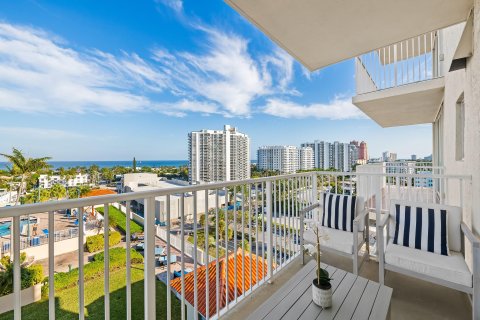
pixel 450 271
pixel 343 243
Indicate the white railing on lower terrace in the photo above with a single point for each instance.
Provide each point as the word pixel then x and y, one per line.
pixel 264 211
pixel 38 240
pixel 409 61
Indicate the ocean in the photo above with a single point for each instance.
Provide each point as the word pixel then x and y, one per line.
pixel 110 164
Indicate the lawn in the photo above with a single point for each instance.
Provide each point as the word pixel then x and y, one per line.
pixel 67 300
pixel 121 220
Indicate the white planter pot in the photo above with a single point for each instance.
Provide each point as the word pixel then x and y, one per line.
pixel 321 297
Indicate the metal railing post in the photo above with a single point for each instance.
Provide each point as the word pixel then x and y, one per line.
pixel 269 239
pixel 149 252
pixel 16 269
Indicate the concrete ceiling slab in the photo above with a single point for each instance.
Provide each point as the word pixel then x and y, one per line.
pixel 322 32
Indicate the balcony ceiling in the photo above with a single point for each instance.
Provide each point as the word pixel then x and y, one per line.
pixel 322 32
pixel 415 103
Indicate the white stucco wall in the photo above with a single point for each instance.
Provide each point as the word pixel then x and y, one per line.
pixel 466 81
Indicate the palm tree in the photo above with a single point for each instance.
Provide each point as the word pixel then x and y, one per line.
pixel 24 167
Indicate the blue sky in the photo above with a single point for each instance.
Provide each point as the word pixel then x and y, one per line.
pixel 109 80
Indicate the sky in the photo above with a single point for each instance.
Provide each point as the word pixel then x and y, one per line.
pixel 110 80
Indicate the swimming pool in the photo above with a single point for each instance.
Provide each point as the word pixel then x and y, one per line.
pixel 5 225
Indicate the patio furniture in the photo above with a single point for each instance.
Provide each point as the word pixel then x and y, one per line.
pixel 162 260
pixel 354 297
pixel 343 222
pixel 159 251
pixel 434 249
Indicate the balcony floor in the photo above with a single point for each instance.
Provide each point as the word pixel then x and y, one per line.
pixel 412 299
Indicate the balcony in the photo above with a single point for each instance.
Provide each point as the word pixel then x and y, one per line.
pixel 321 33
pixel 252 250
pixel 402 84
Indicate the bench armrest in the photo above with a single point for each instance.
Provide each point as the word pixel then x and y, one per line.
pixel 470 236
pixel 309 208
pixel 360 216
pixel 383 221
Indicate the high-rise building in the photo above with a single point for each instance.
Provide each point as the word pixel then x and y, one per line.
pixel 336 155
pixel 284 159
pixel 414 157
pixel 306 158
pixel 393 156
pixel 386 156
pixel 363 151
pixel 218 155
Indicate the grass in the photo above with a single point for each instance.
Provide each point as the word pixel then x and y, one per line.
pixel 66 301
pixel 121 220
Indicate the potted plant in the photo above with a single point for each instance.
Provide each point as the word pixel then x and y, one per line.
pixel 321 286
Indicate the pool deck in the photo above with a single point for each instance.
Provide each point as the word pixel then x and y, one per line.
pixel 60 220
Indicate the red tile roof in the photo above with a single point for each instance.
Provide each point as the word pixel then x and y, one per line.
pixel 99 192
pixel 224 270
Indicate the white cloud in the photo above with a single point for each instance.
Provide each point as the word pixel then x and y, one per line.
pixel 338 109
pixel 224 73
pixel 182 107
pixel 40 73
pixel 175 5
pixel 37 74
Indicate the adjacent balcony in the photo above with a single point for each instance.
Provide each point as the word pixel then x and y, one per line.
pixel 402 84
pixel 226 252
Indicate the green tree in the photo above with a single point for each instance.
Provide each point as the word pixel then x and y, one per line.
pixel 134 165
pixel 23 166
pixel 107 174
pixel 58 191
pixel 29 275
pixel 93 172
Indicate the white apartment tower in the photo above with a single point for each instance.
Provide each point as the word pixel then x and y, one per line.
pixel 336 155
pixel 218 155
pixel 284 159
pixel 306 158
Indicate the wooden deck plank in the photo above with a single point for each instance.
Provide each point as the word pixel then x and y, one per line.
pixel 282 307
pixel 280 294
pixel 353 298
pixel 381 306
pixel 313 310
pixel 339 296
pixel 302 303
pixel 365 304
pixel 350 303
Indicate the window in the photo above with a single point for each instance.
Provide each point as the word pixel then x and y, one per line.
pixel 460 129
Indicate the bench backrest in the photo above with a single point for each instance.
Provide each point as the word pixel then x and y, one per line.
pixel 359 208
pixel 454 219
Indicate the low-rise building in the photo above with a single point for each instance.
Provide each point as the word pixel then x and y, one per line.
pixel 46 181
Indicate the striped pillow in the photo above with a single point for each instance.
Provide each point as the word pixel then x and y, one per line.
pixel 421 228
pixel 338 211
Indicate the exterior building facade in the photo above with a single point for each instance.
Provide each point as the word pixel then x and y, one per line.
pixel 284 159
pixel 335 155
pixel 306 158
pixel 218 155
pixel 46 181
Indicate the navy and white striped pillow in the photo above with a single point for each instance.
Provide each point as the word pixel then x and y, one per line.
pixel 421 228
pixel 338 211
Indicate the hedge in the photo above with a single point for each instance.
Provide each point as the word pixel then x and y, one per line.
pixel 95 243
pixel 119 255
pixel 120 220
pixel 95 269
pixel 30 276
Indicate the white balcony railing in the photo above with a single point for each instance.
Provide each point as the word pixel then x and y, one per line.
pixel 264 211
pixel 409 61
